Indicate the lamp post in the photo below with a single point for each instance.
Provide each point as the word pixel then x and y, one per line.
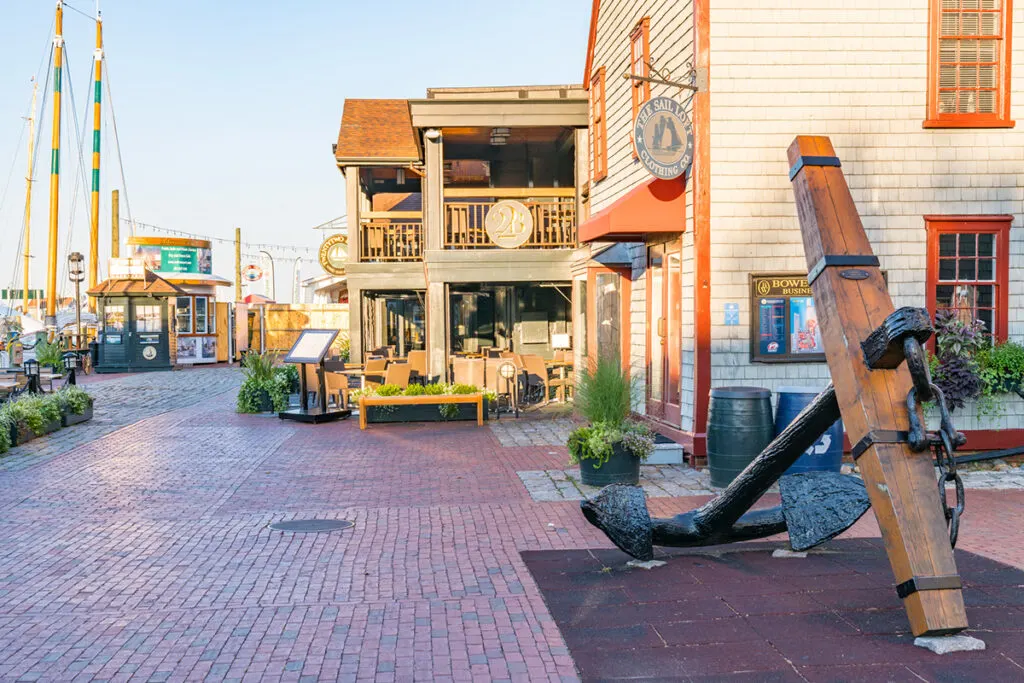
pixel 76 272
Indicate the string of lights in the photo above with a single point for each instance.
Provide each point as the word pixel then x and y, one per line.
pixel 307 251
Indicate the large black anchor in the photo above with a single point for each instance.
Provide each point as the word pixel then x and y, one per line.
pixel 815 506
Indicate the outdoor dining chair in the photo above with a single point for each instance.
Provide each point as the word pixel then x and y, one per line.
pixel 337 387
pixel 398 374
pixel 418 365
pixel 536 376
pixel 373 372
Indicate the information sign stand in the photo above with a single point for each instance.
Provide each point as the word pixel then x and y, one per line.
pixel 310 349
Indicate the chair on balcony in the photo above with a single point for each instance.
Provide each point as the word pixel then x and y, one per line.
pixel 373 233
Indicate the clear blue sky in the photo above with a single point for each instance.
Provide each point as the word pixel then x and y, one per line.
pixel 227 110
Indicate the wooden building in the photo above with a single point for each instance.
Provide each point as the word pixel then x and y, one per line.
pixel 462 211
pixel 707 283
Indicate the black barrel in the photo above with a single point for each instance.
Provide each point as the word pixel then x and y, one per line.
pixel 740 425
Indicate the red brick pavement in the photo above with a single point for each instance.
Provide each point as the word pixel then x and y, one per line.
pixel 146 555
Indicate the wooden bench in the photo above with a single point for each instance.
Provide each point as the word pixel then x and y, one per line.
pixel 365 401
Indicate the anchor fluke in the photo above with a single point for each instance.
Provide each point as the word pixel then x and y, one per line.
pixel 818 506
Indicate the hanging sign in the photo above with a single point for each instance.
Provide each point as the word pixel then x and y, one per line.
pixel 126 268
pixel 664 138
pixel 509 224
pixel 334 254
pixel 252 273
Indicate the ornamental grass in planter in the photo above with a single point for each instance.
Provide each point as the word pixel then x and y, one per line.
pixel 610 448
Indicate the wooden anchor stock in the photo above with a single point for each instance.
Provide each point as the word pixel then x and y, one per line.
pixel 852 301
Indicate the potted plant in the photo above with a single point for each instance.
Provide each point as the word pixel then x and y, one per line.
pixel 264 390
pixel 50 355
pixel 30 416
pixel 610 448
pixel 402 411
pixel 75 404
pixel 1002 368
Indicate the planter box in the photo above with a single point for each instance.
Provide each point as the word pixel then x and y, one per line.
pixel 1010 409
pixel 20 433
pixel 72 419
pixel 55 425
pixel 622 468
pixel 418 409
pixel 421 413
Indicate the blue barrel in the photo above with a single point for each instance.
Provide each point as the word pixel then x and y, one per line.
pixel 826 455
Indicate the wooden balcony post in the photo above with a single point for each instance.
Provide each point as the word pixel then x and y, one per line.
pixel 433 193
pixel 851 301
pixel 353 205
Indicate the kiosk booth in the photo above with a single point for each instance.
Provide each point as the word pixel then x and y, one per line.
pixel 134 326
pixel 200 323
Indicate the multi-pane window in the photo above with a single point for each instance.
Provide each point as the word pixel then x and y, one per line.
pixel 639 63
pixel 968 268
pixel 969 63
pixel 598 125
pixel 201 326
pixel 147 319
pixel 183 314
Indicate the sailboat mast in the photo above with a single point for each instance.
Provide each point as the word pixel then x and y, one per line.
pixel 94 226
pixel 27 253
pixel 51 261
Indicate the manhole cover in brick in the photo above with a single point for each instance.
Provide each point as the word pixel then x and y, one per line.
pixel 312 526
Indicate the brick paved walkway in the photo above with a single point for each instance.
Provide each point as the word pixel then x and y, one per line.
pixel 145 553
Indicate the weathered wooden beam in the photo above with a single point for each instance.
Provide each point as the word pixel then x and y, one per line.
pixel 852 301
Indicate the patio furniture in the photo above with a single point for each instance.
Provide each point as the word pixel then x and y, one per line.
pixel 398 374
pixel 373 373
pixel 418 365
pixel 468 371
pixel 337 386
pixel 562 383
pixel 536 377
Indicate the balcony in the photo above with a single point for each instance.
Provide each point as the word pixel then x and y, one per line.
pixel 391 236
pixel 553 211
pixel 398 236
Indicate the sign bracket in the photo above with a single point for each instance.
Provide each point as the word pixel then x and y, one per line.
pixel 665 78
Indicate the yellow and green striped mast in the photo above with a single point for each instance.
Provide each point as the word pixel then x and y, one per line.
pixel 51 262
pixel 94 226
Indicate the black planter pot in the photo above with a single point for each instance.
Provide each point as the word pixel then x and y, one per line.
pixel 20 433
pixel 622 468
pixel 421 413
pixel 73 419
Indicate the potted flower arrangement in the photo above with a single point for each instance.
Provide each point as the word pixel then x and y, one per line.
pixel 610 448
pixel 75 405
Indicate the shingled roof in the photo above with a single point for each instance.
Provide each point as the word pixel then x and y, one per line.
pixel 377 130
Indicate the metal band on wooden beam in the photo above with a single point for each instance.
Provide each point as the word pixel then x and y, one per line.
pixel 813 161
pixel 840 260
pixel 928 583
pixel 878 436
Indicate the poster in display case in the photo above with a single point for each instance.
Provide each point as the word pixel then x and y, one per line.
pixel 784 321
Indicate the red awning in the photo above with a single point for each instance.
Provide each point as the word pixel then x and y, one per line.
pixel 656 207
pixel 257 299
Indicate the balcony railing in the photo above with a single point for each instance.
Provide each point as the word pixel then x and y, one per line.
pixel 391 236
pixel 553 211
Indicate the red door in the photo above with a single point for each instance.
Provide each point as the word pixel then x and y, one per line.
pixel 664 315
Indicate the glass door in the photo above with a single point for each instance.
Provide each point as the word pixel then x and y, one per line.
pixel 664 314
pixel 149 338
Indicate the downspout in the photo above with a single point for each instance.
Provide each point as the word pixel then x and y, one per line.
pixel 702 225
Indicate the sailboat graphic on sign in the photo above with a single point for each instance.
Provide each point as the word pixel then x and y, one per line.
pixel 666 126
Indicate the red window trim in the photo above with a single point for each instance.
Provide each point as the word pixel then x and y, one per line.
pixel 598 125
pixel 998 225
pixel 1002 118
pixel 640 40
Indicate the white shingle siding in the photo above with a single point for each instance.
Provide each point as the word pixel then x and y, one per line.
pixel 857 72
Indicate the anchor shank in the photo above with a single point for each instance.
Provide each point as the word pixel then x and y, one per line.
pixel 722 512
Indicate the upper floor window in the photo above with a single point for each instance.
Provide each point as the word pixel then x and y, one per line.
pixel 969 64
pixel 598 125
pixel 968 268
pixel 639 63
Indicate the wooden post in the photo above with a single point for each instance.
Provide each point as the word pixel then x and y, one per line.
pixel 51 257
pixel 238 264
pixel 115 224
pixel 852 301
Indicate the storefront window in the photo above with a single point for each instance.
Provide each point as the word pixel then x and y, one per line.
pixel 183 315
pixel 147 319
pixel 201 320
pixel 113 323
